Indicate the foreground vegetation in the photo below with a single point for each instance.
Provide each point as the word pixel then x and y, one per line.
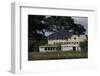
pixel 57 55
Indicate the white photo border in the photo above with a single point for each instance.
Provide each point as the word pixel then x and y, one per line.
pixel 17 60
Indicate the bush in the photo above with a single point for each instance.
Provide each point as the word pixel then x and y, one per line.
pixel 84 46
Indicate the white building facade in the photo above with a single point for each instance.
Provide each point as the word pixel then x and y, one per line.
pixel 67 44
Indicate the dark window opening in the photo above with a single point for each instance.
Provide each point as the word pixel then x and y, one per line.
pixel 74 48
pixel 46 48
pixel 74 38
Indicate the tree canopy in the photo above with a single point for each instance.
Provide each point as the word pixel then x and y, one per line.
pixel 42 24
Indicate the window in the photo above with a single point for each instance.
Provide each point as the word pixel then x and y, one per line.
pixel 48 48
pixel 57 43
pixel 54 43
pixel 45 48
pixel 74 38
pixel 56 48
pixel 53 48
pixel 64 42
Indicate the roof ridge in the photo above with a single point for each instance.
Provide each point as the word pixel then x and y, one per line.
pixel 60 34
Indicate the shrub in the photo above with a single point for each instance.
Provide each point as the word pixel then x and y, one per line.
pixel 84 46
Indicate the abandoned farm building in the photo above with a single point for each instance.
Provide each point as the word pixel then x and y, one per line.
pixel 63 41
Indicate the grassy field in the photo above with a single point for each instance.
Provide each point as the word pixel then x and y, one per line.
pixel 56 55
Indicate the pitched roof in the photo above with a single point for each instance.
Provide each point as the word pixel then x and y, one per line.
pixel 62 34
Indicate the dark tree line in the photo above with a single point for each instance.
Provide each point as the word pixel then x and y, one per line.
pixel 39 25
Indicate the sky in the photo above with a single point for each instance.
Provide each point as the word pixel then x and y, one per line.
pixel 81 20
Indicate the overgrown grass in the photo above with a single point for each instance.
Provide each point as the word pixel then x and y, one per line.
pixel 56 55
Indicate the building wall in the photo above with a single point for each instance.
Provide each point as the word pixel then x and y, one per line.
pixel 66 48
pixel 66 44
pixel 41 49
pixel 48 48
pixel 69 47
pixel 63 48
pixel 72 40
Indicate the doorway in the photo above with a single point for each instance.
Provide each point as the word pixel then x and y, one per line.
pixel 74 48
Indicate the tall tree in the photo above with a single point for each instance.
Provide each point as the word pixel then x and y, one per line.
pixel 64 23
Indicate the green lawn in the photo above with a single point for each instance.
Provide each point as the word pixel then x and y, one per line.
pixel 56 55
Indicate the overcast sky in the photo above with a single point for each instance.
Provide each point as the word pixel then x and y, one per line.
pixel 81 20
